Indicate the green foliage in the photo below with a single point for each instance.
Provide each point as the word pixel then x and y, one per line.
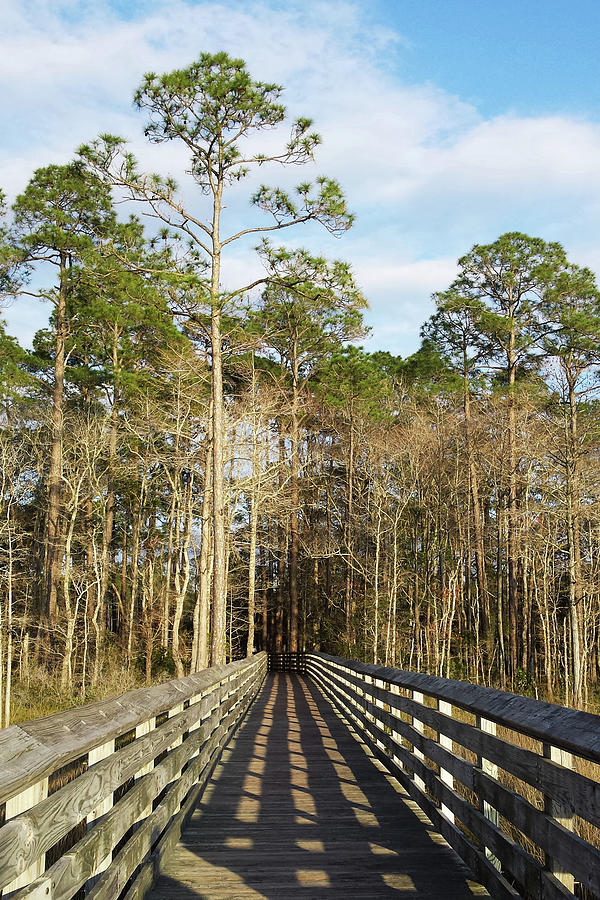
pixel 62 214
pixel 13 358
pixel 121 314
pixel 525 683
pixel 11 272
pixel 309 308
pixel 351 380
pixel 502 285
pixel 163 663
pixel 428 371
pixel 455 331
pixel 572 307
pixel 213 106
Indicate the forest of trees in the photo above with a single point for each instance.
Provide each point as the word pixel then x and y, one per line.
pixel 191 473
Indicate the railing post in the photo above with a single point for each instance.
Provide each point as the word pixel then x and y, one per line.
pixel 19 804
pixel 562 813
pixel 140 730
pixel 369 700
pixel 490 769
pixel 420 727
pixel 379 704
pixel 446 742
pixel 396 736
pixel 95 756
pixel 197 724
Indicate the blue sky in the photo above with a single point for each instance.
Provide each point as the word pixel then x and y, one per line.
pixel 447 122
pixel 528 56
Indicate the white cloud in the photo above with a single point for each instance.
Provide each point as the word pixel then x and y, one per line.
pixel 427 175
pixel 400 295
pixel 381 274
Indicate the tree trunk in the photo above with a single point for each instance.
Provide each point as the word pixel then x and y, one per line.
pixel 512 542
pixel 484 605
pixel 253 513
pixel 574 533
pixel 200 653
pixel 109 516
pixel 53 528
pixel 137 514
pixel 294 503
pixel 281 541
pixel 219 578
pixel 252 574
pixel 349 534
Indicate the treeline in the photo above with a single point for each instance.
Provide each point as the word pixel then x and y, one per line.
pixel 190 473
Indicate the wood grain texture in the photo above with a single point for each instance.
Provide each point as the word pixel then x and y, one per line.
pixel 165 821
pixel 423 784
pixel 297 808
pixel 164 753
pixel 380 729
pixel 563 785
pixel 33 750
pixel 570 729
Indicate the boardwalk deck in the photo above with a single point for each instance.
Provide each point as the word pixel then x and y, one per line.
pixel 297 809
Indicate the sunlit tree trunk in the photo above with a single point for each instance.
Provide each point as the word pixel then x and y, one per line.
pixel 294 508
pixel 53 527
pixel 202 614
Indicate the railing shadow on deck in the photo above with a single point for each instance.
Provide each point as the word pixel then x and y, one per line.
pixel 512 783
pixel 93 797
pixel 298 810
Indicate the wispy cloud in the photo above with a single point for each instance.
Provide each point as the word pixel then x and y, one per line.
pixel 426 173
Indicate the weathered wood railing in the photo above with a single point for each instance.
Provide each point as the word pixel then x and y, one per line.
pixel 511 783
pixel 92 797
pixel 288 661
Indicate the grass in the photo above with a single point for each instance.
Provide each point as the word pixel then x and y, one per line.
pixel 39 694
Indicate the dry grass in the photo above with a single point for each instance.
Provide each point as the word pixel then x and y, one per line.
pixel 40 694
pixel 529 792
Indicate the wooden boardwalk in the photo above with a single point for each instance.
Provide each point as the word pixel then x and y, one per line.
pixel 297 808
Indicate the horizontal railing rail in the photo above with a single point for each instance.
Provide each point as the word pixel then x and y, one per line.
pixel 511 783
pixel 93 797
pixel 288 661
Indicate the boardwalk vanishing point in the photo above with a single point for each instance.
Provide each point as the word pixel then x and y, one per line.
pixel 298 809
pixel 302 776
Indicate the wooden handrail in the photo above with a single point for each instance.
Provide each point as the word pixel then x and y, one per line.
pixel 287 661
pixel 480 763
pixel 93 796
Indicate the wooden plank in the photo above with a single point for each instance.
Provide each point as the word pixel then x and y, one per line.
pixel 563 812
pixel 489 768
pixel 297 809
pixel 582 859
pixel 27 869
pixel 95 756
pixel 570 729
pixel 33 750
pixel 563 785
pixel 569 854
pixel 172 812
pixel 446 742
pixel 74 868
pixel 527 870
pixel 419 726
pixel 27 836
pixel 455 765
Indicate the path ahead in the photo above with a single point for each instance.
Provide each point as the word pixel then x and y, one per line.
pixel 297 808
